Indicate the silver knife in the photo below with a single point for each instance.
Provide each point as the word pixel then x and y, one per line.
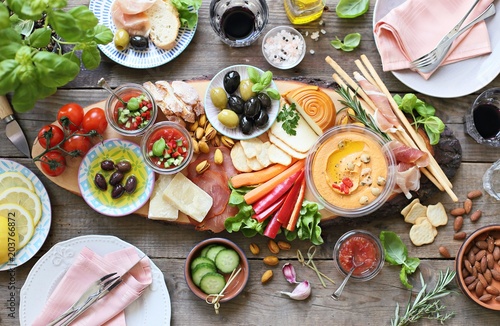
pixel 12 128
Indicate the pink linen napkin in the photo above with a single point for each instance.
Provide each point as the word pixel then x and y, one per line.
pixel 87 268
pixel 415 27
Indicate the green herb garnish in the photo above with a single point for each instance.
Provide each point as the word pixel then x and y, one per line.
pixel 350 42
pixel 290 118
pixel 352 8
pixel 425 116
pixel 261 82
pixel 396 253
pixel 426 305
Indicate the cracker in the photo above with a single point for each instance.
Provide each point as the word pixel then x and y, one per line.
pixel 277 155
pixel 407 208
pixel 437 214
pixel 263 156
pixel 421 219
pixel 254 164
pixel 251 147
pixel 239 159
pixel 415 212
pixel 422 233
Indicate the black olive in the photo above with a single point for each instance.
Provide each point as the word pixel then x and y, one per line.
pixel 236 104
pixel 231 81
pixel 252 108
pixel 131 184
pixel 117 191
pixel 265 101
pixel 116 178
pixel 107 165
pixel 139 42
pixel 261 119
pixel 246 125
pixel 123 166
pixel 100 182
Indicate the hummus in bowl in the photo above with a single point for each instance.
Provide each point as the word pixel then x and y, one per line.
pixel 349 170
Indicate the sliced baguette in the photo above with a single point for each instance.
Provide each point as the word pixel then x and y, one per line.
pixel 165 24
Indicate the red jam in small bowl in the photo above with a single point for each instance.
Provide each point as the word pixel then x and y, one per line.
pixel 167 147
pixel 362 249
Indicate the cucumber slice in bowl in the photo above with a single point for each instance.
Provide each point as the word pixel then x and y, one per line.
pixel 200 271
pixel 227 260
pixel 212 283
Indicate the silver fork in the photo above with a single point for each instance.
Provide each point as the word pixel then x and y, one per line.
pixel 433 59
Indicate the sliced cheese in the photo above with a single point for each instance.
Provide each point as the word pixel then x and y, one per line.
pixel 285 147
pixel 187 197
pixel 159 208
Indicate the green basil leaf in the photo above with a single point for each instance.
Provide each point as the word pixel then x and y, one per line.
pixel 55 70
pixel 32 9
pixel 102 34
pixel 257 88
pixel 352 8
pixel 84 18
pixel 347 48
pixel 4 17
pixel 273 93
pixel 408 103
pixel 411 265
pixel 91 57
pixel 337 44
pixel 352 40
pixel 395 250
pixel 266 78
pixel 73 57
pixel 25 97
pixel 8 77
pixel 433 137
pixel 9 36
pixel 434 124
pixel 40 38
pixel 65 26
pixel 403 276
pixel 26 73
pixel 397 98
pixel 253 75
pixel 9 51
pixel 424 109
pixel 59 3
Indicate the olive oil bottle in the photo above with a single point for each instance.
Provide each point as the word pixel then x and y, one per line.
pixel 303 11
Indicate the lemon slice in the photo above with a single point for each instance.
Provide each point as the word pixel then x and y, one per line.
pixel 14 179
pixel 23 222
pixel 24 198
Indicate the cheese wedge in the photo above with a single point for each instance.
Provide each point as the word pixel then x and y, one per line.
pixel 159 208
pixel 187 197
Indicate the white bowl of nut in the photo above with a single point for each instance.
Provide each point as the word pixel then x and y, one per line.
pixel 242 101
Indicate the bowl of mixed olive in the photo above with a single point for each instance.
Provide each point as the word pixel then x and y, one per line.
pixel 242 101
pixel 114 179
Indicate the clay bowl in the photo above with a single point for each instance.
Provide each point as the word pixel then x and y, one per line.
pixel 474 242
pixel 236 286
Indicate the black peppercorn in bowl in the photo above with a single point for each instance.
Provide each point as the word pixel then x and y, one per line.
pixel 113 178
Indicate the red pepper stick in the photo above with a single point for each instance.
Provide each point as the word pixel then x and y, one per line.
pixel 294 217
pixel 283 215
pixel 262 216
pixel 272 228
pixel 275 194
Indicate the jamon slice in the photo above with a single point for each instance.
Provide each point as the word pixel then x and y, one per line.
pixel 132 7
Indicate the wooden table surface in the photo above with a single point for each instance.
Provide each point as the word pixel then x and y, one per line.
pixel 370 303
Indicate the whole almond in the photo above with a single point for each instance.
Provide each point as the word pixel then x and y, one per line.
pixel 469 279
pixel 472 286
pixel 495 274
pixel 485 297
pixel 487 275
pixel 444 252
pixel 490 260
pixel 254 249
pixel 271 260
pixel 460 235
pixel 492 290
pixel 268 275
pixel 476 215
pixel 273 247
pixel 482 244
pixel 458 223
pixel 467 205
pixel 496 253
pixel 465 272
pixel 491 244
pixel 457 211
pixel 482 280
pixel 468 266
pixel 497 299
pixel 479 289
pixel 471 256
pixel 474 194
pixel 484 264
pixel 283 245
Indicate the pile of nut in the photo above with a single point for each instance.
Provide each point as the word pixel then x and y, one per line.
pixel 204 135
pixel 270 260
pixel 460 212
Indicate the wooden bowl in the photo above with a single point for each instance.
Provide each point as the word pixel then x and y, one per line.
pixel 239 282
pixel 475 242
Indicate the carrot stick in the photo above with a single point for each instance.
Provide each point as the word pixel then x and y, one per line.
pixel 260 191
pixel 296 209
pixel 257 177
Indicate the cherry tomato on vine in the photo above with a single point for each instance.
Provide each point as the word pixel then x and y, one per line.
pixel 53 163
pixel 70 116
pixel 50 136
pixel 95 119
pixel 77 145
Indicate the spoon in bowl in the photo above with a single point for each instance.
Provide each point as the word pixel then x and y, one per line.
pixel 102 82
pixel 336 294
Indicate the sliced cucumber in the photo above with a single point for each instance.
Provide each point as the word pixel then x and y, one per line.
pixel 212 283
pixel 200 271
pixel 205 250
pixel 227 260
pixel 213 251
pixel 201 260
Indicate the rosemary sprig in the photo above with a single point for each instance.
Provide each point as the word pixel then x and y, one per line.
pixel 426 305
pixel 361 115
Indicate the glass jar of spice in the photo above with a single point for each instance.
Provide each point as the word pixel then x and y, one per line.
pixel 304 11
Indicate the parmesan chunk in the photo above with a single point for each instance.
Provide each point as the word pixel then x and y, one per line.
pixel 159 208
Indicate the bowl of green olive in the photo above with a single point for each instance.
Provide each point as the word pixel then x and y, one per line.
pixel 242 101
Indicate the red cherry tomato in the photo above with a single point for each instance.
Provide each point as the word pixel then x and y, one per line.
pixel 70 116
pixel 50 136
pixel 94 119
pixel 53 163
pixel 77 145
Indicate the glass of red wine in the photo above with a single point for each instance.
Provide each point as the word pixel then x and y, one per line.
pixel 483 118
pixel 238 23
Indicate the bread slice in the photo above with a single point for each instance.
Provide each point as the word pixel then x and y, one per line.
pixel 165 24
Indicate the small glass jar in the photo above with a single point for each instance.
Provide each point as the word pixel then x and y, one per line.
pixel 304 11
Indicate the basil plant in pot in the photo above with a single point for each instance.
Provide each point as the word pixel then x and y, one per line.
pixel 33 34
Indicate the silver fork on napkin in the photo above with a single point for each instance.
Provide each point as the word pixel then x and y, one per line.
pixel 433 59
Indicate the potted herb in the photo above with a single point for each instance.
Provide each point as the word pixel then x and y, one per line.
pixel 32 35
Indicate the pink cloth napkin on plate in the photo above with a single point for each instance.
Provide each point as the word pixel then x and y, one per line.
pixel 415 27
pixel 87 268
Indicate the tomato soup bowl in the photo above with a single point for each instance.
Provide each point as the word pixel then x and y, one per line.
pixel 137 116
pixel 362 247
pixel 479 244
pixel 167 147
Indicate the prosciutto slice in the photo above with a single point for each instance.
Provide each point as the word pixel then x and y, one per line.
pixel 407 154
pixel 407 179
pixel 135 24
pixel 385 117
pixel 132 7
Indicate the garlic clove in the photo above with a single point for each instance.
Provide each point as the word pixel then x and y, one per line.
pixel 289 273
pixel 301 292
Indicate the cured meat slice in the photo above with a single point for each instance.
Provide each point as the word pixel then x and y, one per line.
pixel 131 7
pixel 226 167
pixel 407 154
pixel 407 180
pixel 136 24
pixel 216 223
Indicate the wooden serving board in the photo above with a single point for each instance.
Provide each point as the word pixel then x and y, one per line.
pixel 69 178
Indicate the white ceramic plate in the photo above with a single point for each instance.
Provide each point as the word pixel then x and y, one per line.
pixel 43 227
pixel 100 200
pixel 153 56
pixel 211 111
pixel 453 80
pixel 152 308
